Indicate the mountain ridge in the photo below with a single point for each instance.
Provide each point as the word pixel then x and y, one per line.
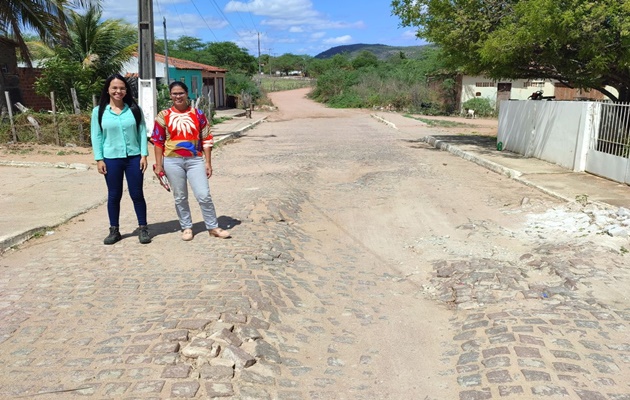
pixel 381 51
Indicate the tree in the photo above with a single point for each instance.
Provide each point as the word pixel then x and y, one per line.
pixel 95 51
pixel 365 59
pixel 581 43
pixel 41 16
pixel 229 56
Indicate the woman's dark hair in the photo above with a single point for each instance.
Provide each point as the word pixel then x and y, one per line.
pixel 178 83
pixel 128 99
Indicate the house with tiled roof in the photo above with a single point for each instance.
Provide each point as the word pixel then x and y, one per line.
pixel 201 79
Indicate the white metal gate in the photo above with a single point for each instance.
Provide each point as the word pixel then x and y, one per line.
pixel 609 149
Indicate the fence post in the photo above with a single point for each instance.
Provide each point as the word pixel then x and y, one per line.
pixel 54 115
pixel 8 98
pixel 77 111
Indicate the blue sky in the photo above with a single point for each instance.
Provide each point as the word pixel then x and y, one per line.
pixel 284 26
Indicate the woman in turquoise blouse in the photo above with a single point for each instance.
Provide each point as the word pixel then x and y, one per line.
pixel 119 142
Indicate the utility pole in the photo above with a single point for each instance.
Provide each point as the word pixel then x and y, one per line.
pixel 166 54
pixel 147 94
pixel 259 55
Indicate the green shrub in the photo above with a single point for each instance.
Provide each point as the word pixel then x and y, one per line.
pixel 483 107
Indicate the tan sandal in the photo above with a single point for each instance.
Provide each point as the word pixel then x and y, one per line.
pixel 187 235
pixel 219 233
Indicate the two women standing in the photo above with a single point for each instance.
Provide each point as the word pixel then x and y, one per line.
pixel 183 150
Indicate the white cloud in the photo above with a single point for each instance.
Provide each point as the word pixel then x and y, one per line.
pixel 409 34
pixel 318 35
pixel 338 40
pixel 274 8
pixel 296 29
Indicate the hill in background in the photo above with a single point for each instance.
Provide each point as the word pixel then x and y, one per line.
pixel 381 51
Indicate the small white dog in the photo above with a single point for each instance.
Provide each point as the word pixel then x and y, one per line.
pixel 470 113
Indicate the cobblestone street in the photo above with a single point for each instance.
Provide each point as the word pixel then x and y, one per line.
pixel 363 265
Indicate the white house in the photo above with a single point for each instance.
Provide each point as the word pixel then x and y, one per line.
pixel 520 89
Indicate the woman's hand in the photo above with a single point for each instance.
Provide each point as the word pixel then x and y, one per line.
pixel 208 170
pixel 143 163
pixel 101 167
pixel 158 170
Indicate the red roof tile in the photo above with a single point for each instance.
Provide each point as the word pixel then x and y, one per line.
pixel 185 64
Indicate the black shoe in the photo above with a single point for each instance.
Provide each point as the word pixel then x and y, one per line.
pixel 143 236
pixel 114 235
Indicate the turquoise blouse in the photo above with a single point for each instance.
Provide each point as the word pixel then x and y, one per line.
pixel 119 137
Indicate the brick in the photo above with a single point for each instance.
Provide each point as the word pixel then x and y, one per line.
pixel 241 358
pixel 484 394
pixel 217 389
pixel 527 352
pixel 502 350
pixel 587 324
pixel 533 340
pixel 534 321
pixel 533 376
pixel 468 358
pixel 566 367
pixel 184 389
pixel 233 318
pixel 497 362
pixel 469 380
pixel 549 390
pixel 217 372
pixel 505 391
pixel 227 337
pixel 193 324
pixel 475 325
pixel 566 354
pixel 467 369
pixel 176 371
pixel 501 376
pixel 505 338
pixel 148 387
pixel 258 323
pixel 176 336
pixel 255 378
pixel 590 395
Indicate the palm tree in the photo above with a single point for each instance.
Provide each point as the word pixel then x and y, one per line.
pixel 47 18
pixel 41 16
pixel 101 46
pixel 94 51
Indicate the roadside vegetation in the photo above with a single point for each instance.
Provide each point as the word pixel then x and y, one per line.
pixel 77 50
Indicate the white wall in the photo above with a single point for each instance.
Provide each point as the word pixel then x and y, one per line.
pixel 521 88
pixel 554 131
pixel 132 67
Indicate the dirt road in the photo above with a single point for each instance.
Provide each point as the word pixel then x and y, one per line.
pixel 363 265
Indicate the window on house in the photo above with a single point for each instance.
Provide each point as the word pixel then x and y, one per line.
pixel 484 84
pixel 534 84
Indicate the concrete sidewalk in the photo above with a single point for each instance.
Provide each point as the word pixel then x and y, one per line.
pixel 37 197
pixel 550 178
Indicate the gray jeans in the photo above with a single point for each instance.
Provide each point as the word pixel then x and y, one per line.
pixel 179 171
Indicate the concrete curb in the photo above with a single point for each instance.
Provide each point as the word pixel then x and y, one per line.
pixel 224 138
pixel 383 120
pixel 490 165
pixel 80 166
